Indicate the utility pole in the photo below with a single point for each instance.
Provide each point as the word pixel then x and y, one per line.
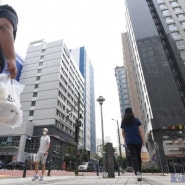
pixel 78 124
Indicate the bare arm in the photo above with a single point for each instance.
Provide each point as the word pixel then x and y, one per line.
pixel 141 132
pixel 124 135
pixel 7 45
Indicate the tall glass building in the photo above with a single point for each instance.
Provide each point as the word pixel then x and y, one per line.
pixel 123 90
pixel 159 73
pixel 86 68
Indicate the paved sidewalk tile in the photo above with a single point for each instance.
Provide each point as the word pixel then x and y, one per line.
pixel 73 181
pixel 89 180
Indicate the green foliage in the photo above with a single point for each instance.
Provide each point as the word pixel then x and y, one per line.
pixel 150 170
pixel 101 161
pixel 70 169
pixel 84 156
pixel 70 157
pixel 70 153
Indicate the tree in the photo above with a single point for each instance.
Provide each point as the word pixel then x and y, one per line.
pixel 70 157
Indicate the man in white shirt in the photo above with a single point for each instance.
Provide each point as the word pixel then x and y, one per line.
pixel 42 154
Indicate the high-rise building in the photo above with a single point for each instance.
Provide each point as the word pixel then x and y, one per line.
pixel 173 14
pixel 134 99
pixel 86 68
pixel 53 87
pixel 159 74
pixel 123 91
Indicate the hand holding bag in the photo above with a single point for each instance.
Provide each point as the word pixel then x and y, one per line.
pixel 144 154
pixel 10 107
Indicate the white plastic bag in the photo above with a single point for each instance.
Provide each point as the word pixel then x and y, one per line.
pixel 144 154
pixel 10 107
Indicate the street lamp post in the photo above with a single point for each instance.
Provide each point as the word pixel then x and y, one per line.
pixel 119 143
pixel 101 100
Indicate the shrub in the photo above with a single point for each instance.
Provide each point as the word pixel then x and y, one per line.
pixel 69 169
pixel 150 170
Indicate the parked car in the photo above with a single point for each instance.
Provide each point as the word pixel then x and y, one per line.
pixel 86 167
pixel 15 165
pixel 2 164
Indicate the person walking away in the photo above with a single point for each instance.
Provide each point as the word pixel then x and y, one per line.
pixel 42 154
pixel 133 135
pixel 8 29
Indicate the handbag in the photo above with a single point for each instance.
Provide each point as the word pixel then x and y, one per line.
pixel 144 154
pixel 10 106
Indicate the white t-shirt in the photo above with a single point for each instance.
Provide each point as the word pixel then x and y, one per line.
pixel 44 140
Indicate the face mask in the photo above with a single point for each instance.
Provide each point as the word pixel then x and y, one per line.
pixel 44 132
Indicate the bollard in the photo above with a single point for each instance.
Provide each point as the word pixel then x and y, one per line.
pixel 97 170
pixel 25 168
pixel 49 168
pixel 118 170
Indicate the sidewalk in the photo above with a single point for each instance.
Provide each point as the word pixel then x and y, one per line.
pixel 91 180
pixel 73 180
pixel 29 173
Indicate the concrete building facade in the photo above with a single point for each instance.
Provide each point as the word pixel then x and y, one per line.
pixel 53 87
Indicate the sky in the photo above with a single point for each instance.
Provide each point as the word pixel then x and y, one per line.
pixel 95 24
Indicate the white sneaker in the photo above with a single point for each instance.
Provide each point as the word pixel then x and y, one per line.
pixel 35 177
pixel 139 176
pixel 41 178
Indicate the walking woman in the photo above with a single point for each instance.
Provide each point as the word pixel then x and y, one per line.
pixel 133 136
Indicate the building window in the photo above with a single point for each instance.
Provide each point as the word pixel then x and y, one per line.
pixel 43 50
pixel 35 94
pixel 39 70
pixel 181 16
pixel 38 78
pixel 175 35
pixel 162 6
pixel 31 113
pixel 160 1
pixel 180 44
pixel 174 3
pixel 178 9
pixel 33 103
pixel 172 27
pixel 36 86
pixel 183 24
pixel 166 12
pixel 42 57
pixel 168 19
pixel 40 63
pixel 182 54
